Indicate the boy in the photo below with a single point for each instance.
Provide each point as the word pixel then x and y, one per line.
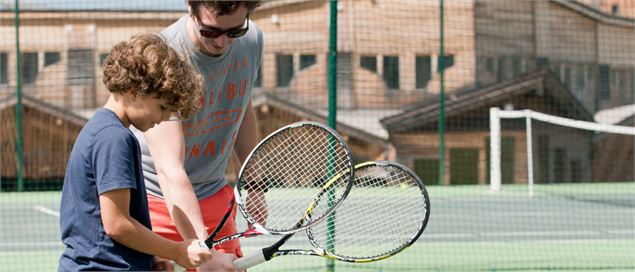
pixel 104 216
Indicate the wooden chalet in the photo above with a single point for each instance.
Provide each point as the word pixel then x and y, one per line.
pixel 560 153
pixel 49 133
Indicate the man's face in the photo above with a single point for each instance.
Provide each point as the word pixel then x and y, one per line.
pixel 216 33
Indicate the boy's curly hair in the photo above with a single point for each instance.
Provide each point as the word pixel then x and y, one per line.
pixel 223 7
pixel 146 66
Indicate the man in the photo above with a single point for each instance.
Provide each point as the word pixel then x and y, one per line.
pixel 185 173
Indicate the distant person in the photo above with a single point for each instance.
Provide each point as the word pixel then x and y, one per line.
pixel 104 215
pixel 185 160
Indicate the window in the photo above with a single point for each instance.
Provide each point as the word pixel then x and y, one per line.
pixel 427 170
pixel 29 67
pixel 448 61
pixel 603 90
pixel 4 68
pixel 576 170
pixel 51 58
pixel 542 62
pixel 565 76
pixel 423 70
pixel 559 159
pixel 489 64
pixel 502 68
pixel 543 158
pixel 580 82
pixel 463 166
pixel 102 58
pixel 81 69
pixel 306 61
pixel 391 71
pixel 368 63
pixel 517 66
pixel 284 70
pixel 615 9
pixel 508 175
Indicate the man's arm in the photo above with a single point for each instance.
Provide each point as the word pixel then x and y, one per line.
pixel 167 148
pixel 248 134
pixel 246 140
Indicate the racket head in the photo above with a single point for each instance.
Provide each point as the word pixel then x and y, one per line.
pixel 297 164
pixel 386 211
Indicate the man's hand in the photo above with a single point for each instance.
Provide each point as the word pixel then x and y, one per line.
pixel 257 206
pixel 220 262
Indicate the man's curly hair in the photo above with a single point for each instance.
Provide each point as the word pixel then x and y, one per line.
pixel 223 7
pixel 146 66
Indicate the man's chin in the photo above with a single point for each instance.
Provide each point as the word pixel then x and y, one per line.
pixel 214 52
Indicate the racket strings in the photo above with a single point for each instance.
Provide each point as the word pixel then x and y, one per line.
pixel 382 214
pixel 294 165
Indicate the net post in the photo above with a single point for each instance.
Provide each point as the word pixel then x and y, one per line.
pixel 495 171
pixel 530 160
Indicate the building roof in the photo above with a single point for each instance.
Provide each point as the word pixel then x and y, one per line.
pixel 541 80
pixel 616 115
pixel 595 13
pixel 53 110
pixel 74 5
pixel 118 5
pixel 363 124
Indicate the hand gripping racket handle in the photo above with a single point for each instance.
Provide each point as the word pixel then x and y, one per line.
pixel 250 261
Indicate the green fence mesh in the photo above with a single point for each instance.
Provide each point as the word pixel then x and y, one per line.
pixel 566 203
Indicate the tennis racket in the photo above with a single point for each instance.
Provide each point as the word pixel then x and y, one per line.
pixel 386 211
pixel 287 173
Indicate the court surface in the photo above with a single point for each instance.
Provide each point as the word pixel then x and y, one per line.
pixel 574 227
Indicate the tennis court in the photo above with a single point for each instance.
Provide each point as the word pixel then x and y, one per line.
pixel 573 227
pixel 414 81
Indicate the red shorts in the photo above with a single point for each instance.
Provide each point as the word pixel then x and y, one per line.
pixel 213 208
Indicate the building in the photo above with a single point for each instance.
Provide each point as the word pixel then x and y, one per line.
pixel 388 54
pixel 49 134
pixel 561 154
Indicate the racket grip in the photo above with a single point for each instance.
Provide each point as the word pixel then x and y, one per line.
pixel 250 261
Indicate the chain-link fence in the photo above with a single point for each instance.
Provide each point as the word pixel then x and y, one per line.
pixel 415 83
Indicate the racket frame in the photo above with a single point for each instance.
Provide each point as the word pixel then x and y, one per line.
pixel 273 251
pixel 258 229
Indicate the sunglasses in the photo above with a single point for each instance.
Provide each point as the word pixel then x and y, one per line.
pixel 213 32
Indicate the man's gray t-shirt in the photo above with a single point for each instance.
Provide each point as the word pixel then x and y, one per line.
pixel 211 132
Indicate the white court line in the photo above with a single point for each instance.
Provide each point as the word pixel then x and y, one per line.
pixel 46 210
pixel 621 231
pixel 525 234
pixel 33 244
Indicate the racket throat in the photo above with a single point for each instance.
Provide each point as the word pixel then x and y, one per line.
pixel 270 251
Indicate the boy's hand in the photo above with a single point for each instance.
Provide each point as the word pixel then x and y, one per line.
pixel 161 264
pixel 191 254
pixel 220 262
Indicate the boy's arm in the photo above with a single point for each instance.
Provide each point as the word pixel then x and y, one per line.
pixel 167 147
pixel 121 227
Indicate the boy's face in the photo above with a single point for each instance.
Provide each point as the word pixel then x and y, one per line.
pixel 145 112
pixel 208 26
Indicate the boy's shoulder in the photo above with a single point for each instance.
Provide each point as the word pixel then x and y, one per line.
pixel 105 125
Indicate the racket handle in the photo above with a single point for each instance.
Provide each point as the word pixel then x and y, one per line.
pixel 250 261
